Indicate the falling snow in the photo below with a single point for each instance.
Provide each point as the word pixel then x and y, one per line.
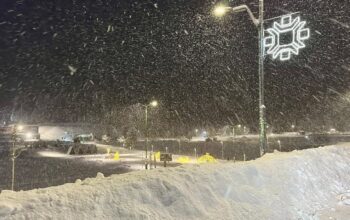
pixel 101 63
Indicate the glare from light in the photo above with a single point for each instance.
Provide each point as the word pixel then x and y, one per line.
pixel 20 127
pixel 332 130
pixel 53 154
pixel 154 103
pixel 29 135
pixel 220 10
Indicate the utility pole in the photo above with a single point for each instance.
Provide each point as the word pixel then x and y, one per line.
pixel 262 107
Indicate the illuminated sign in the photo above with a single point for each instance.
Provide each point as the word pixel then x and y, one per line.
pixel 286 37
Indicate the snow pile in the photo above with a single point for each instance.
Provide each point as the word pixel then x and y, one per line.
pixel 292 185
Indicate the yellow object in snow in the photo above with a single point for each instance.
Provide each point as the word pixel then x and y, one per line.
pixel 207 158
pixel 116 156
pixel 183 159
pixel 157 155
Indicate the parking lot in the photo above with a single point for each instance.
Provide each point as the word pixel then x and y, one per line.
pixel 43 167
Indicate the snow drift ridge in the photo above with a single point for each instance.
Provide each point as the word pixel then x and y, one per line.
pixel 278 186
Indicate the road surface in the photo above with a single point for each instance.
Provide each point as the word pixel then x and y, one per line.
pixel 37 168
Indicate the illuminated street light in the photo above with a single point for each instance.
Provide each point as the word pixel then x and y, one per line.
pixel 153 103
pixel 259 23
pixel 220 10
pixel 275 48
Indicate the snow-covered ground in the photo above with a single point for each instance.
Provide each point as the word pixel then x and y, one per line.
pixel 309 184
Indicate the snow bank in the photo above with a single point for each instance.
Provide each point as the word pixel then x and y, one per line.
pixel 279 186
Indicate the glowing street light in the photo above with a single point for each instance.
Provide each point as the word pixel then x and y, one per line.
pixel 275 48
pixel 220 10
pixel 153 104
pixel 259 23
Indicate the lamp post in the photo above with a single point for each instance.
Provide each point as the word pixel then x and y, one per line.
pixel 259 23
pixel 151 104
pixel 16 151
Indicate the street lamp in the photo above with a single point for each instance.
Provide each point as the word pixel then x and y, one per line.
pixel 259 23
pixel 220 10
pixel 16 151
pixel 153 104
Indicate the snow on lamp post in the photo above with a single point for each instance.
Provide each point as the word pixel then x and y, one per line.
pixel 259 23
pixel 275 48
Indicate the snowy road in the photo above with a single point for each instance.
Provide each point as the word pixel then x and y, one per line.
pixel 38 168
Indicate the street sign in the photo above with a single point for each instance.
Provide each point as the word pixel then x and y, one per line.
pixel 286 37
pixel 166 157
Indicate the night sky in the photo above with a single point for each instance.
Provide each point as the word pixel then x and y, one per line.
pixel 96 56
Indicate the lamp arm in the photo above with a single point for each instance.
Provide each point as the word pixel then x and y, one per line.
pixel 246 8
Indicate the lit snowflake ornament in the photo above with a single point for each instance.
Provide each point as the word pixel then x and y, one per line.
pixel 286 37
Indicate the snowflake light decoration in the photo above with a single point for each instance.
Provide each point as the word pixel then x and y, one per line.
pixel 293 27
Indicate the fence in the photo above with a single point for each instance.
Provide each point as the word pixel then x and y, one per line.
pixel 241 148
